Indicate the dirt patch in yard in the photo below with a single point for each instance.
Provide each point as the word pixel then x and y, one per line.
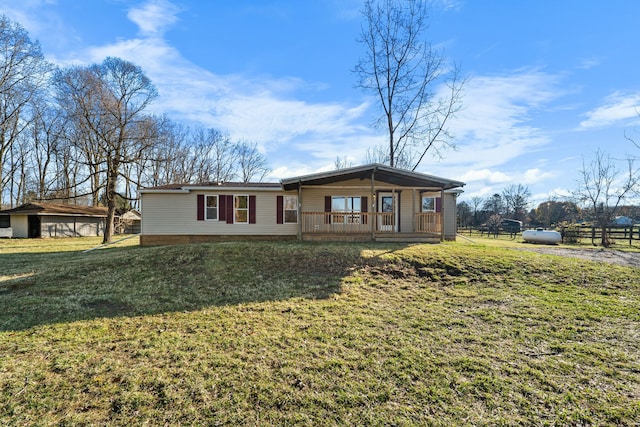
pixel 631 259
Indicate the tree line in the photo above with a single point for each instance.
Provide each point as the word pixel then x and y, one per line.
pixel 84 134
pixel 603 187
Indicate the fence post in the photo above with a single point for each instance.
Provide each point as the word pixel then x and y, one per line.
pixel 630 235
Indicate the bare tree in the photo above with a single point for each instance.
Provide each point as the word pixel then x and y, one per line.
pixel 213 157
pixel 252 164
pixel 343 162
pixel 23 72
pixel 108 102
pixel 516 200
pixel 406 75
pixel 602 187
pixel 494 205
pixel 476 204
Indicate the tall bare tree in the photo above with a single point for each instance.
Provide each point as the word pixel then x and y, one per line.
pixel 417 90
pixel 602 187
pixel 252 164
pixel 516 200
pixel 23 72
pixel 108 101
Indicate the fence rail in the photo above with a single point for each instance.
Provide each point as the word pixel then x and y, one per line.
pixel 572 234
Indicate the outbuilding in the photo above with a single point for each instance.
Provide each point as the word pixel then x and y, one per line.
pixel 54 220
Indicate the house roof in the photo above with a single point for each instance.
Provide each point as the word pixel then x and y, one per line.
pixel 381 173
pixel 209 185
pixel 38 208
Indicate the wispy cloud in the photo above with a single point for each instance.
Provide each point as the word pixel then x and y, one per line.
pixel 154 17
pixel 618 107
pixel 494 128
pixel 259 109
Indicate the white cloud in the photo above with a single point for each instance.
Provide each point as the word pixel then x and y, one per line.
pixel 533 176
pixel 492 129
pixel 618 107
pixel 485 175
pixel 154 16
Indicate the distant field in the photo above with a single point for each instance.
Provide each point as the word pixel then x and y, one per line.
pixel 314 334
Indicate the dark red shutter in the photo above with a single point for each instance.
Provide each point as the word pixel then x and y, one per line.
pixel 252 209
pixel 229 209
pixel 200 207
pixel 279 209
pixel 438 204
pixel 222 208
pixel 364 206
pixel 327 208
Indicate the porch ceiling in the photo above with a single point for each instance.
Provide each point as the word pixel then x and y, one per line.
pixel 382 173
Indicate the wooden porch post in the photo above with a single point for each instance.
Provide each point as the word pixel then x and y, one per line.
pixel 413 208
pixel 300 218
pixel 373 205
pixel 442 214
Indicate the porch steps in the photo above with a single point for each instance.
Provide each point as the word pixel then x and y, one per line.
pixel 407 238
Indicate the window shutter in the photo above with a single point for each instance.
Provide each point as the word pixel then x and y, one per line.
pixel 229 209
pixel 364 206
pixel 200 204
pixel 327 208
pixel 252 209
pixel 438 204
pixel 222 208
pixel 279 209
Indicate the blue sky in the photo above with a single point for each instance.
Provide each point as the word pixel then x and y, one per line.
pixel 550 82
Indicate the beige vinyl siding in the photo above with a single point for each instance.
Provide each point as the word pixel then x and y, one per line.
pixel 20 225
pixel 450 216
pixel 176 214
pixel 68 226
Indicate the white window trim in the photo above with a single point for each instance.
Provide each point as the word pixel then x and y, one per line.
pixel 284 209
pixel 348 216
pixel 206 207
pixel 422 204
pixel 238 209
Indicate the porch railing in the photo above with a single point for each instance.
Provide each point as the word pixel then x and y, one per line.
pixel 337 222
pixel 362 222
pixel 428 222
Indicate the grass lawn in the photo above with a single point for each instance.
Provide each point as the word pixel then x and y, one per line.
pixel 314 334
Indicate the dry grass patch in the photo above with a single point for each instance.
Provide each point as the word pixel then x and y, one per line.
pixel 309 334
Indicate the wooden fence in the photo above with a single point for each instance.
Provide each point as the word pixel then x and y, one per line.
pixel 629 235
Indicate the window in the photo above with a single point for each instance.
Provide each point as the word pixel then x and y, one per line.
pixel 211 207
pixel 428 204
pixel 290 209
pixel 346 204
pixel 241 209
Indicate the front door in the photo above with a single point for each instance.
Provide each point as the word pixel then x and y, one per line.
pixel 388 208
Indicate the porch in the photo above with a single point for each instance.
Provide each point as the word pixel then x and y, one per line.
pixel 365 226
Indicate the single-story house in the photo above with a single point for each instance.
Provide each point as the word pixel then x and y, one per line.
pixel 53 220
pixel 371 202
